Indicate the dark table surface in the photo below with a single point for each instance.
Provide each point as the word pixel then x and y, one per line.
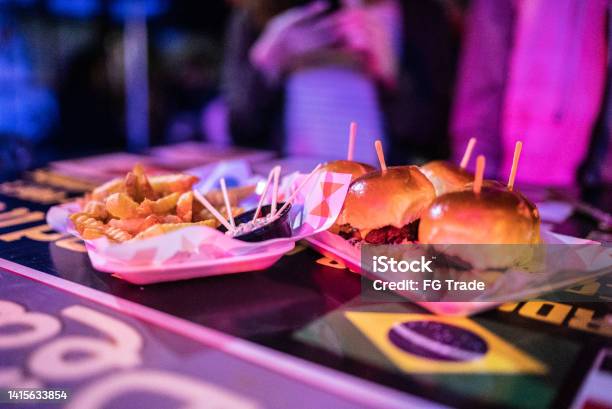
pixel 298 305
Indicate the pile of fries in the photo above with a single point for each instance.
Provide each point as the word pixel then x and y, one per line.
pixel 138 207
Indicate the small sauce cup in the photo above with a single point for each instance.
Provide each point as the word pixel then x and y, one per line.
pixel 278 228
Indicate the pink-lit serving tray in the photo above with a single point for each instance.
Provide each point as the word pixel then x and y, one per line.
pixel 200 251
pixel 596 262
pixel 192 269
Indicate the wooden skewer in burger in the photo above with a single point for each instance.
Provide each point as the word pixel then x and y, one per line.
pixel 384 206
pixel 494 184
pixel 483 214
pixel 448 177
pixel 356 169
pixel 518 147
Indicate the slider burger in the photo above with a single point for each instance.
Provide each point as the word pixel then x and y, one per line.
pixel 446 177
pixel 493 216
pixel 383 207
pixel 348 165
pixel 486 213
pixel 488 183
pixel 355 169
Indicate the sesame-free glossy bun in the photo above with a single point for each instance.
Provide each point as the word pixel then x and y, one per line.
pixel 394 197
pixel 493 216
pixel 488 183
pixel 495 229
pixel 445 176
pixel 356 169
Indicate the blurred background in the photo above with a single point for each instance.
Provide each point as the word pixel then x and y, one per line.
pixel 70 68
pixel 87 77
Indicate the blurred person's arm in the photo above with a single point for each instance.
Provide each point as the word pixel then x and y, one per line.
pixel 373 32
pixel 256 64
pixel 597 165
pixel 481 80
pixel 291 37
pixel 252 101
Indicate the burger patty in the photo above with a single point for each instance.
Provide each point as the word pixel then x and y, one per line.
pixel 349 233
pixel 384 235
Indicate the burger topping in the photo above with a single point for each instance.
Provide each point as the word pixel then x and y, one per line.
pixel 393 235
pixel 383 235
pixel 349 233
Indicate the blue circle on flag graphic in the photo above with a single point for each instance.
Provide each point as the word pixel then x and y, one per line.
pixel 438 341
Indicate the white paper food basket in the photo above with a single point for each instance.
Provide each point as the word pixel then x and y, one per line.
pixel 200 251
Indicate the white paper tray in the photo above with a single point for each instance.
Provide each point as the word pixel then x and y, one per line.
pixel 340 250
pixel 200 268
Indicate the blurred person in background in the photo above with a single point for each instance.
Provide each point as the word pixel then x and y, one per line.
pixel 183 56
pixel 535 70
pixel 91 95
pixel 296 73
pixel 190 82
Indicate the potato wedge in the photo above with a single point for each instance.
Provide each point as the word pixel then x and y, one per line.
pixel 184 207
pixel 135 226
pixel 138 206
pixel 166 184
pixel 144 188
pixel 170 218
pixel 130 187
pixel 112 186
pixel 122 206
pixel 160 229
pixel 204 214
pixel 96 209
pixel 163 206
pixel 235 195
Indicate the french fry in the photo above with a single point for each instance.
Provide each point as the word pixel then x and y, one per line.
pixel 117 234
pixel 170 218
pixel 204 214
pixel 130 186
pixel 144 189
pixel 139 207
pixel 184 207
pixel 166 184
pixel 135 226
pixel 92 233
pixel 122 206
pixel 96 209
pixel 149 221
pixel 160 229
pixel 236 195
pixel 165 205
pixel 112 186
pixel 84 221
pixel 113 233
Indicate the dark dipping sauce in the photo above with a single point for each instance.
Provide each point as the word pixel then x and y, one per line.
pixel 277 228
